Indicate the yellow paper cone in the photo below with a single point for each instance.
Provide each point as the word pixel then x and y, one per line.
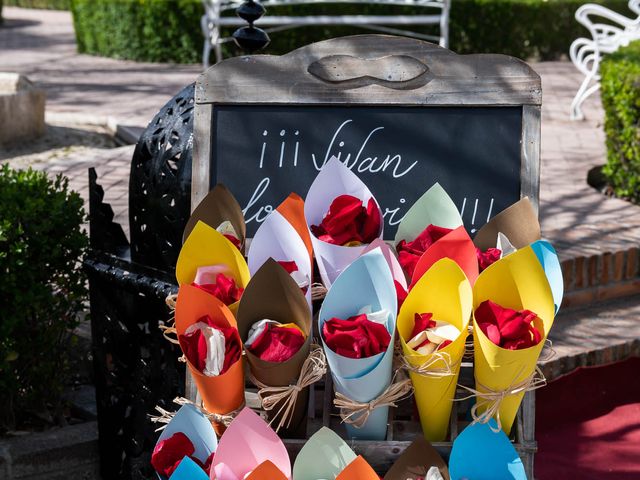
pixel 518 282
pixel 445 292
pixel 205 247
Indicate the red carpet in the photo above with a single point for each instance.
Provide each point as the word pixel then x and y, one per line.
pixel 588 424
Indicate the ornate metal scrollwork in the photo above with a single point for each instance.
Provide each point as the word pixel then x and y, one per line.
pixel 160 184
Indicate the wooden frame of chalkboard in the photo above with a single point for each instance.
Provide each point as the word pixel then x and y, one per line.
pixel 375 72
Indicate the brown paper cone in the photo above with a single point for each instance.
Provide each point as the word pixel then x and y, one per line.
pixel 221 394
pixel 273 294
pixel 519 223
pixel 415 462
pixel 218 206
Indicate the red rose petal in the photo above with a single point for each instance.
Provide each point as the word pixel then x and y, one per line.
pixel 371 222
pixel 488 257
pixel 277 344
pixel 410 252
pixel 168 453
pixel 348 220
pixel 225 289
pixel 195 348
pixel 355 337
pixel 290 267
pixel 401 293
pixel 233 239
pixel 422 321
pixel 507 328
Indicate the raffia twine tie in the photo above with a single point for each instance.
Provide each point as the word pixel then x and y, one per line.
pixel 318 291
pixel 313 369
pixel 166 416
pixel 357 413
pixel 429 368
pixel 170 301
pixel 169 331
pixel 491 400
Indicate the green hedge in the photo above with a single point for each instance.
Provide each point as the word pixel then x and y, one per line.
pixel 621 101
pixel 143 30
pixel 48 4
pixel 43 291
pixel 169 30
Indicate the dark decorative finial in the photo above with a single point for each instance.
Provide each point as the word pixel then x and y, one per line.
pixel 251 38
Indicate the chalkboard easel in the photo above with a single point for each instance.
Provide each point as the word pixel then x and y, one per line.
pixel 402 114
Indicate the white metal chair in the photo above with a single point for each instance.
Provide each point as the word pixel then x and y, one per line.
pixel 212 21
pixel 586 53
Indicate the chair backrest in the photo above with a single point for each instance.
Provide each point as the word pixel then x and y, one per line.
pixel 215 7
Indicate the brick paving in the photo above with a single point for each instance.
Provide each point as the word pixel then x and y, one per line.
pixel 575 344
pixel 40 44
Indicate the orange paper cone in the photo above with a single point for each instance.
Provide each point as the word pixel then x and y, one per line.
pixel 266 471
pixel 359 469
pixel 293 210
pixel 224 393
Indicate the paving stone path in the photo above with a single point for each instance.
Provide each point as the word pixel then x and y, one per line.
pixel 40 44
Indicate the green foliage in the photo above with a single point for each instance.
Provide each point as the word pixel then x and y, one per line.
pixel 143 30
pixel 169 30
pixel 621 101
pixel 47 4
pixel 42 288
pixel 540 29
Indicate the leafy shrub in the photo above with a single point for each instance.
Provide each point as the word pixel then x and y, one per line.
pixel 143 30
pixel 621 101
pixel 47 4
pixel 42 287
pixel 169 30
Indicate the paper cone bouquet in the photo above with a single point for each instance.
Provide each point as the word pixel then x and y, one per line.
pixel 433 326
pixel 343 217
pixel 274 320
pixel 186 446
pixel 250 449
pixel 357 325
pixel 208 335
pixel 513 313
pixel 394 321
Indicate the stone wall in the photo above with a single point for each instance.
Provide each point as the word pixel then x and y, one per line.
pixel 21 109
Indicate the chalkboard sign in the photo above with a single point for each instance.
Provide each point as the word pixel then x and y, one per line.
pixel 401 113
